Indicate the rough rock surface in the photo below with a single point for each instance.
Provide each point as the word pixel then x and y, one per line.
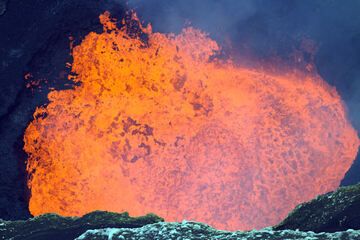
pixel 331 212
pixel 193 230
pixel 330 216
pixel 52 226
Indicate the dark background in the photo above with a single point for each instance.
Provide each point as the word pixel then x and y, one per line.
pixel 34 37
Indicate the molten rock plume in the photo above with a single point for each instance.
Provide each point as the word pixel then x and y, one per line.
pixel 164 126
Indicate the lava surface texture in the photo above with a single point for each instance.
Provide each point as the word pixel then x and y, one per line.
pixel 162 125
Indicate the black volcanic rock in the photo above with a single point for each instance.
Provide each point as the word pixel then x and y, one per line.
pixel 333 216
pixel 331 212
pixel 53 226
pixel 194 230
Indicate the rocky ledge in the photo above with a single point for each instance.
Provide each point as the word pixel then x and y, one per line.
pixel 331 212
pixel 334 215
pixel 194 230
pixel 55 227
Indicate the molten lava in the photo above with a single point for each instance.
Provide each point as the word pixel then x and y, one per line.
pixel 164 126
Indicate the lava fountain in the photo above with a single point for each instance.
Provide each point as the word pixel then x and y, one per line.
pixel 165 126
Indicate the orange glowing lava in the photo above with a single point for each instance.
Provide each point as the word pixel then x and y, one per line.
pixel 166 127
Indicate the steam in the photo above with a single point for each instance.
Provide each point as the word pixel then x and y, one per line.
pixel 268 28
pixel 211 16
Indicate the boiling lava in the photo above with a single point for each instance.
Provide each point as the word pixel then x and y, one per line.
pixel 162 125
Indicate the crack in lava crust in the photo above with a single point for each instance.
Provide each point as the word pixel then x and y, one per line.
pixel 159 127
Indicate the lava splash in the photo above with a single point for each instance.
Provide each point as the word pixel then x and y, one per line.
pixel 162 125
